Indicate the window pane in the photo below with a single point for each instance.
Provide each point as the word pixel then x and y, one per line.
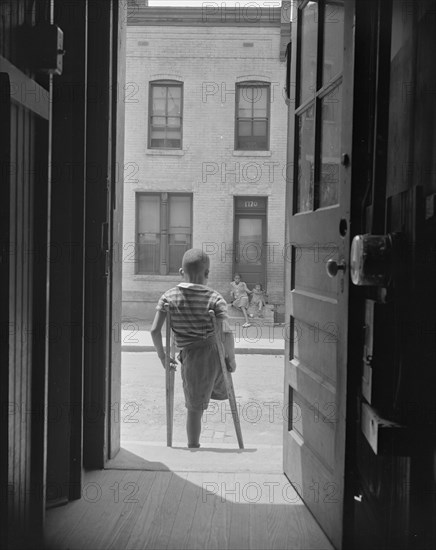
pixel 330 147
pixel 148 239
pixel 174 122
pixel 148 214
pixel 260 128
pixel 305 166
pixel 245 101
pixel 159 95
pixel 180 212
pixel 158 143
pixel 260 112
pixel 180 230
pixel 309 23
pixel 333 40
pixel 158 120
pixel 173 133
pixel 172 143
pixel 149 255
pixel 260 102
pixel 159 92
pixel 177 247
pixel 173 106
pixel 157 133
pixel 253 143
pixel 245 128
pixel 250 241
pixel 175 92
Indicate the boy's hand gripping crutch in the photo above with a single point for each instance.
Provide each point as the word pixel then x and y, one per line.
pixel 169 376
pixel 228 381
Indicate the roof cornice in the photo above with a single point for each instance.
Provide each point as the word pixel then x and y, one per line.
pixel 207 16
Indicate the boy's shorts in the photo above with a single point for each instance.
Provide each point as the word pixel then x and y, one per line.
pixel 201 374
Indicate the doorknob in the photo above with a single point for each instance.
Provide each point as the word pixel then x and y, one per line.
pixel 332 267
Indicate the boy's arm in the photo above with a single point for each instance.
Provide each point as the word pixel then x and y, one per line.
pixel 156 334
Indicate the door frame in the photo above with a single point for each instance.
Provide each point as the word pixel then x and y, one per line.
pixel 104 189
pixel 237 215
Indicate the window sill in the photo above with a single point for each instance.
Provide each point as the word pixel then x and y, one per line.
pixel 175 278
pixel 165 152
pixel 252 153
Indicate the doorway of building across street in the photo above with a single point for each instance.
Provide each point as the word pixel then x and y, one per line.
pixel 249 259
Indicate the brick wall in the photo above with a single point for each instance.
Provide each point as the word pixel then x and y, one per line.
pixel 209 61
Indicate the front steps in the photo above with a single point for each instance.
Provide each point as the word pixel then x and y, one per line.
pixel 236 315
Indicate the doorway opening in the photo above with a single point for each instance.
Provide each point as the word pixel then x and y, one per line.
pixel 205 166
pixel 250 238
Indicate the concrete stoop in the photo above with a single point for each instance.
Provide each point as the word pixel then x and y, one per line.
pixel 236 316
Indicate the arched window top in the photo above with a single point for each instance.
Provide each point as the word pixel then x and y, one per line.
pixel 251 80
pixel 166 79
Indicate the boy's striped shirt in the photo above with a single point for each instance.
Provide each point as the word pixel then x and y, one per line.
pixel 189 308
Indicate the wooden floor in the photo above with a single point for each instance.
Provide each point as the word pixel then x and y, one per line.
pixel 154 509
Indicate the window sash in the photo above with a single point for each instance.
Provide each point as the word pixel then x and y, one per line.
pixel 160 253
pixel 164 126
pixel 255 139
pixel 318 88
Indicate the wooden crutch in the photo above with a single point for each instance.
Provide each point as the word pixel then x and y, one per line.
pixel 169 376
pixel 228 382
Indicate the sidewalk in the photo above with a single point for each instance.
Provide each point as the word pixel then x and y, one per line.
pixel 258 383
pixel 259 338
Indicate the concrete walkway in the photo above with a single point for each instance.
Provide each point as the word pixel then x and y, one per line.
pixel 258 382
pixel 259 338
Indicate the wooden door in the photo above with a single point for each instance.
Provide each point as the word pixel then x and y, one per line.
pixel 250 235
pixel 318 238
pixel 25 178
pixel 250 232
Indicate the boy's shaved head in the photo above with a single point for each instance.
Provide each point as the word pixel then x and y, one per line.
pixel 195 262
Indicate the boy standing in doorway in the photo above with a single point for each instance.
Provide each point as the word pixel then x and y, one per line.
pixel 189 304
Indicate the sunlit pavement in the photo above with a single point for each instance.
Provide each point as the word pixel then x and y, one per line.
pixel 257 339
pixel 258 383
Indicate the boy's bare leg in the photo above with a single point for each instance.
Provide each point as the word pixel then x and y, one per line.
pixel 193 428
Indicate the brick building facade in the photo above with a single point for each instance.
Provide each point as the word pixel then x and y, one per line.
pixel 205 148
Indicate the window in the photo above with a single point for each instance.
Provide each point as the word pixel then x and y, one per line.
pixel 164 232
pixel 252 116
pixel 318 104
pixel 165 121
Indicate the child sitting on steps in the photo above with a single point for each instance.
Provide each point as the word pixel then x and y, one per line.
pixel 258 300
pixel 239 293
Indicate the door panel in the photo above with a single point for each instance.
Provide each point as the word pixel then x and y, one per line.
pixel 316 305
